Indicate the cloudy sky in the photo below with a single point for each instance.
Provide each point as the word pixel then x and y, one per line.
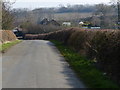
pixel 52 3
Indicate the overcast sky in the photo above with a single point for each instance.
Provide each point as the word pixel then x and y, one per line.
pixel 31 4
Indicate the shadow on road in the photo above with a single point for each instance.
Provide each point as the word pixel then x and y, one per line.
pixel 69 74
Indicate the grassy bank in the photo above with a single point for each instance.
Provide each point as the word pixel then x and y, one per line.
pixel 92 77
pixel 6 46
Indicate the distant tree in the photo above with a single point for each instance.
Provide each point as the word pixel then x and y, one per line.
pixel 106 14
pixel 50 14
pixel 95 21
pixel 116 3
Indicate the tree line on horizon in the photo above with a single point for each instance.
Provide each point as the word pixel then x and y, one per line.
pixel 102 15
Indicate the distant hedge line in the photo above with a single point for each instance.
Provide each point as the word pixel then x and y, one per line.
pixel 101 46
pixel 7 35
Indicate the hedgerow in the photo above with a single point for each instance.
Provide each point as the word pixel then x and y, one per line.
pixel 101 46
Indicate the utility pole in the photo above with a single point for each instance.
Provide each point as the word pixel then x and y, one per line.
pixel 118 3
pixel 0 15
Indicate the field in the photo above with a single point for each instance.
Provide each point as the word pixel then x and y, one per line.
pixel 71 16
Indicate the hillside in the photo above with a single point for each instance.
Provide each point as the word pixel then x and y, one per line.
pixel 71 16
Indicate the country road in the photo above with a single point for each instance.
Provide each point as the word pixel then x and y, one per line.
pixel 37 64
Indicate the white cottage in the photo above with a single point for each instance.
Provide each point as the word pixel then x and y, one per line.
pixel 66 23
pixel 81 23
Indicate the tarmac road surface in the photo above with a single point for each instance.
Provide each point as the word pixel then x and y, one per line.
pixel 37 64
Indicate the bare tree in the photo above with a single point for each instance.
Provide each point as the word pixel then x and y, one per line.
pixel 7 17
pixel 117 4
pixel 106 14
pixel 95 21
pixel 50 14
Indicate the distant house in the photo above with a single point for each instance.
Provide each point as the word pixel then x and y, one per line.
pixel 53 22
pixel 66 23
pixel 49 22
pixel 81 23
pixel 44 21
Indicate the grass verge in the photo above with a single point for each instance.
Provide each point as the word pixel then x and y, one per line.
pixel 6 46
pixel 85 70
